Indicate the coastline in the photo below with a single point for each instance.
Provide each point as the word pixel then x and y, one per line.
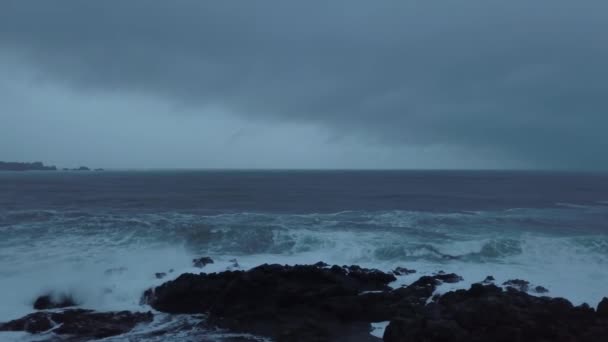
pixel 328 303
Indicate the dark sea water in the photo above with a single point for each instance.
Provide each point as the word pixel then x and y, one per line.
pixel 61 231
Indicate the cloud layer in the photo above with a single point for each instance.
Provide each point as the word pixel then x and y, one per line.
pixel 518 83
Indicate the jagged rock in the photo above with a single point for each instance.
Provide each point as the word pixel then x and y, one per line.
pixel 403 271
pixel 51 301
pixel 320 303
pixel 79 323
pixel 448 278
pixel 292 303
pixel 487 313
pixel 369 275
pixel 518 284
pixel 202 262
pixel 489 279
pixel 602 308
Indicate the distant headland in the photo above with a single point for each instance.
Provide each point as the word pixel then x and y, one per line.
pixel 36 166
pixel 15 166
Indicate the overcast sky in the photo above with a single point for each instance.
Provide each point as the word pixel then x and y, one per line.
pixel 306 84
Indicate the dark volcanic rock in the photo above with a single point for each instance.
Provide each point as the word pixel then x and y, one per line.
pixel 403 271
pixel 202 262
pixel 489 279
pixel 79 323
pixel 487 313
pixel 292 303
pixel 518 284
pixel 50 301
pixel 321 303
pixel 235 263
pixel 602 308
pixel 321 264
pixel 448 278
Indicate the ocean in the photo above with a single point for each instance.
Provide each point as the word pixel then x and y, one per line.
pixel 102 236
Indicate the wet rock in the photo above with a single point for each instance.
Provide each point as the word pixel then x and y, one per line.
pixel 602 308
pixel 489 279
pixel 337 303
pixel 160 275
pixel 448 278
pixel 52 301
pixel 540 289
pixel 84 324
pixel 147 297
pixel 488 313
pixel 377 277
pixel 403 271
pixel 291 303
pixel 115 270
pixel 518 284
pixel 202 262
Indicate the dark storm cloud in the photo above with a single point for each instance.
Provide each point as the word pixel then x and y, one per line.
pixel 518 79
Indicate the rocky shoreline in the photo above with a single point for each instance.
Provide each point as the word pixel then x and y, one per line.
pixel 336 303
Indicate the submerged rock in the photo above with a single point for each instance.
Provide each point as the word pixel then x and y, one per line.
pixel 202 262
pixel 489 280
pixel 235 263
pixel 83 324
pixel 487 313
pixel 115 270
pixel 518 284
pixel 403 271
pixel 448 278
pixel 51 301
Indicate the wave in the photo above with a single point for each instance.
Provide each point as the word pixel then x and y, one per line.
pixel 69 251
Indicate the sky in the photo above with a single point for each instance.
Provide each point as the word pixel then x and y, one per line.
pixel 472 84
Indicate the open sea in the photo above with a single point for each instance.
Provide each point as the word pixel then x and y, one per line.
pixel 102 236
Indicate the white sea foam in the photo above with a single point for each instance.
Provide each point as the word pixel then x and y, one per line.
pixel 378 328
pixel 73 254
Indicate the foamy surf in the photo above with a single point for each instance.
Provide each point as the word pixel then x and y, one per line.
pixel 105 260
